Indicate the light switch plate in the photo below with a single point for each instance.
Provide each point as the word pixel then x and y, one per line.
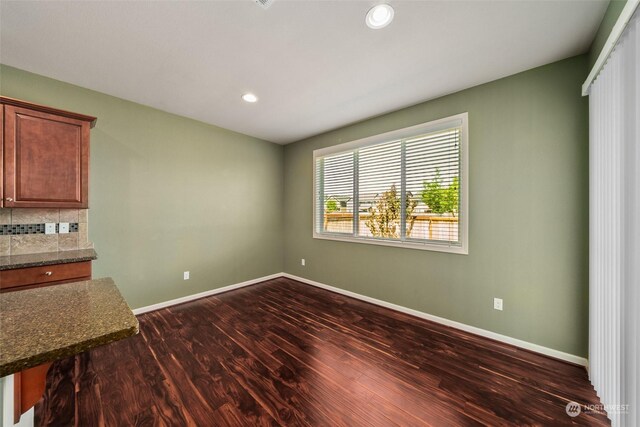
pixel 50 228
pixel 63 227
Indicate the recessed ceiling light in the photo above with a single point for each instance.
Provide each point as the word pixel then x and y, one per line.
pixel 379 16
pixel 249 97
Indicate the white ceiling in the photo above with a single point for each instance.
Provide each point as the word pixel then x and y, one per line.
pixel 314 64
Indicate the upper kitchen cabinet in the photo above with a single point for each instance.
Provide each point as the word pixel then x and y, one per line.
pixel 46 156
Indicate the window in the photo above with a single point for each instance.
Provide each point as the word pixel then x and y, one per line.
pixel 404 188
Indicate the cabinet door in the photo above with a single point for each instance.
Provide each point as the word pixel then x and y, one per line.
pixel 46 160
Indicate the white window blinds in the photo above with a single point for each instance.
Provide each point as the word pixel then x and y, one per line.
pixel 402 188
pixel 379 186
pixel 336 178
pixel 433 185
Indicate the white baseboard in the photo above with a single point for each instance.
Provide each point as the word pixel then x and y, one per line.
pixel 462 326
pixel 188 298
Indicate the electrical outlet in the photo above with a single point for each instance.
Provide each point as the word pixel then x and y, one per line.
pixel 50 228
pixel 497 304
pixel 302 262
pixel 186 275
pixel 63 228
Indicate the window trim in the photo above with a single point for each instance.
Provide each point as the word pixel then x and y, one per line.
pixel 432 126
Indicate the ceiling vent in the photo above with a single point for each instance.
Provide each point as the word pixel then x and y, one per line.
pixel 265 4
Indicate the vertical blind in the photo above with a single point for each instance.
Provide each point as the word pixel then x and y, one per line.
pixel 404 190
pixel 614 241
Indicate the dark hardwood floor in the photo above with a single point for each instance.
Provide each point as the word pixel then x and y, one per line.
pixel 286 353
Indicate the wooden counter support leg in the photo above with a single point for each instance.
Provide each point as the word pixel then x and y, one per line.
pixel 28 387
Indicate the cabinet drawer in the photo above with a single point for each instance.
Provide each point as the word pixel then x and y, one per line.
pixel 48 274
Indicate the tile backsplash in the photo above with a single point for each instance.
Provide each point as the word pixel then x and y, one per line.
pixel 18 244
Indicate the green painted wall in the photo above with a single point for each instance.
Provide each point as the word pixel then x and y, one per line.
pixel 170 194
pixel 528 214
pixel 608 21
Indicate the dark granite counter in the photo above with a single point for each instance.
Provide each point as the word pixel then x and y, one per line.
pixel 47 258
pixel 49 323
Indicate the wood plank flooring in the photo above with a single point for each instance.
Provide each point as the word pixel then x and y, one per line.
pixel 286 353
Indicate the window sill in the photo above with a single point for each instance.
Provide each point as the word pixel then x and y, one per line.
pixel 459 250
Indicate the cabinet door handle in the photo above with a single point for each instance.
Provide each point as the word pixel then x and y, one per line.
pixel 48 273
pixel 8 199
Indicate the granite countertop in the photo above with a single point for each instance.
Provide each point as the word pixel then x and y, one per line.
pixel 48 258
pixel 49 323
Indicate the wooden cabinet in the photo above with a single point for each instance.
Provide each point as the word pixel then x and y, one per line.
pixel 28 385
pixel 1 154
pixel 33 277
pixel 46 156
